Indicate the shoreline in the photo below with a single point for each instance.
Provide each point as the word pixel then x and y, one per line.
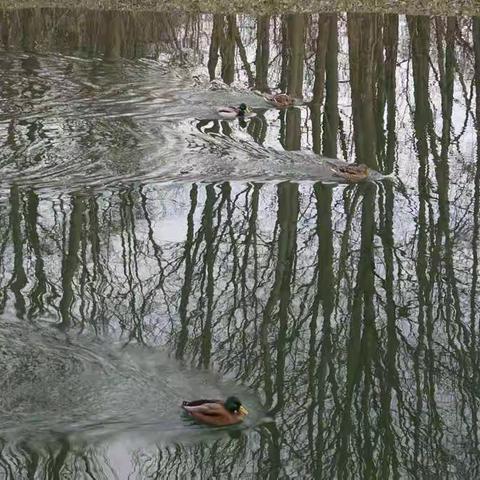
pixel 263 7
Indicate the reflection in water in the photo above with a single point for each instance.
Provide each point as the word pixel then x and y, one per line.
pixel 348 311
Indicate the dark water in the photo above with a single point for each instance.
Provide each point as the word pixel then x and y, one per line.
pixel 151 252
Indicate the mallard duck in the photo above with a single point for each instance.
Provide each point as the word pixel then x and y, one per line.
pixel 216 412
pixel 233 112
pixel 351 173
pixel 280 100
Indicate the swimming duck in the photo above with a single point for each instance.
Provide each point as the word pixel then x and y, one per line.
pixel 216 412
pixel 351 173
pixel 233 112
pixel 280 100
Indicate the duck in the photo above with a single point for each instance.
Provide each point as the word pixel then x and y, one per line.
pixel 280 100
pixel 216 412
pixel 234 112
pixel 351 173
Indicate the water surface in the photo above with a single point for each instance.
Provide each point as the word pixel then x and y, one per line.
pixel 151 252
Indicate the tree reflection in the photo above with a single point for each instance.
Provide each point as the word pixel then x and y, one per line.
pixel 349 310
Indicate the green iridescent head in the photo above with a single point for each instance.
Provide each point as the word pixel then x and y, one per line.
pixel 234 405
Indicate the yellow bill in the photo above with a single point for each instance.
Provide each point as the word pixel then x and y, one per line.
pixel 242 410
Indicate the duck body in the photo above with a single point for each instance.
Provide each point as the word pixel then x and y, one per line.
pixel 216 412
pixel 233 112
pixel 279 100
pixel 351 173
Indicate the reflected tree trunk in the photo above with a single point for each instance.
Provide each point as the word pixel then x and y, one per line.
pixel 362 37
pixel 474 326
pixel 284 53
pixel 262 55
pixel 323 36
pixel 428 250
pixel 209 262
pixel 113 35
pixel 419 29
pixel 446 64
pixel 188 276
pixel 227 51
pixel 445 35
pixel 249 278
pixel 296 54
pixel 325 298
pixel 362 344
pixel 389 466
pixel 32 460
pixel 71 260
pixel 331 116
pixel 390 379
pixel 215 41
pixel 19 279
pixel 257 128
pixel 287 215
pixel 291 133
pixel 98 280
pixel 319 82
pixel 379 86
pixel 31 219
pixel 391 50
pixel 5 31
pixel 130 255
pixel 288 206
pixel 28 30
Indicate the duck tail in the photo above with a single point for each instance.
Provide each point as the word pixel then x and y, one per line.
pixel 390 176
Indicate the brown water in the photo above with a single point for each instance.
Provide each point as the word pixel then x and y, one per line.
pixel 151 252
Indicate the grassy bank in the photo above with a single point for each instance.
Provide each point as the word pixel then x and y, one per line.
pixel 256 7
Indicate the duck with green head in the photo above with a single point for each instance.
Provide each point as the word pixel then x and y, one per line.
pixel 216 412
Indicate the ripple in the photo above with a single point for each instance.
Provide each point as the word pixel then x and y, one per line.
pixel 72 123
pixel 55 383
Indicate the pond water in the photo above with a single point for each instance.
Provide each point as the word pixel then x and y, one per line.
pixel 151 252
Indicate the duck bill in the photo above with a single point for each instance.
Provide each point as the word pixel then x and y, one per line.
pixel 243 411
